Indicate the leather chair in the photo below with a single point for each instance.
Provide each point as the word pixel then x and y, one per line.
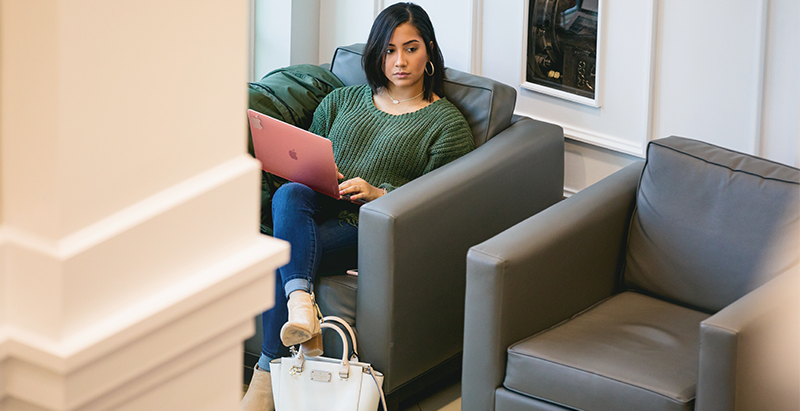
pixel 670 285
pixel 407 303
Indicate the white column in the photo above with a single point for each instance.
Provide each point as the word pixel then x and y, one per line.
pixel 130 259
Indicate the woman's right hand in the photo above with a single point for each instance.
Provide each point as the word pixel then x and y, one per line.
pixel 358 189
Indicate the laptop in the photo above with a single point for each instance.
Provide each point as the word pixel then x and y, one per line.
pixel 295 154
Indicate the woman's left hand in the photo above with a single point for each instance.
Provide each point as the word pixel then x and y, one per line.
pixel 358 189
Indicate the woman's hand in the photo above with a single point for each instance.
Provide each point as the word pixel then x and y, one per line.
pixel 358 189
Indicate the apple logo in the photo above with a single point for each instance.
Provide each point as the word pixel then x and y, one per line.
pixel 293 154
pixel 257 123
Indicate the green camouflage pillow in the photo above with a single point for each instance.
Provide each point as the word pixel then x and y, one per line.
pixel 290 94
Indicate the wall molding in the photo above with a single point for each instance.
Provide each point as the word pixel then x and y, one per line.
pixel 605 141
pixel 100 362
pixel 760 80
pixel 181 263
pixel 52 386
pixel 133 215
pixel 251 45
pixel 378 6
pixel 220 347
pixel 652 53
pixel 476 47
pixel 596 139
pixel 146 316
pixel 131 351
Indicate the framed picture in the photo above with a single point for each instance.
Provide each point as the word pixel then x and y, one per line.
pixel 562 53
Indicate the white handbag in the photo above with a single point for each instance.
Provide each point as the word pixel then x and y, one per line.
pixel 320 383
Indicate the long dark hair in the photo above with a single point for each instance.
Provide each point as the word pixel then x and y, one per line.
pixel 378 42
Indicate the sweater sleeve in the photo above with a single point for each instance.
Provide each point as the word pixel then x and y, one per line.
pixel 321 123
pixel 455 141
pixel 387 186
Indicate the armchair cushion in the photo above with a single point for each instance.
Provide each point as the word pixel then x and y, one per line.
pixel 486 104
pixel 635 352
pixel 692 194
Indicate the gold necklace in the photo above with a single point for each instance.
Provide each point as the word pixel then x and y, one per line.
pixel 402 101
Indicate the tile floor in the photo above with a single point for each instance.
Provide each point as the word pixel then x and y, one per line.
pixel 448 398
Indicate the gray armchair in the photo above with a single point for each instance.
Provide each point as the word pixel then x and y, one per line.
pixel 670 285
pixel 407 303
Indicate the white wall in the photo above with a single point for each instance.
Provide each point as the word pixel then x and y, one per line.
pixel 286 32
pixel 709 65
pixel 343 22
pixel 718 71
pixel 273 34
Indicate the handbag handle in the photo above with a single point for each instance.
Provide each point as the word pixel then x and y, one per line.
pixel 370 371
pixel 349 330
pixel 344 370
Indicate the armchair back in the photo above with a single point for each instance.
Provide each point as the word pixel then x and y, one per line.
pixel 486 104
pixel 711 224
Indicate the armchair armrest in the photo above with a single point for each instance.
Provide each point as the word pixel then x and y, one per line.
pixel 749 351
pixel 539 273
pixel 413 244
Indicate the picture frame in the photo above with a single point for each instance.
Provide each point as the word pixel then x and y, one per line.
pixel 562 49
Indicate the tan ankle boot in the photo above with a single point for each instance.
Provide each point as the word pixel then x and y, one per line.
pixel 313 347
pixel 303 321
pixel 259 392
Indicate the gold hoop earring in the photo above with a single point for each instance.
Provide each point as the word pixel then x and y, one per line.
pixel 433 69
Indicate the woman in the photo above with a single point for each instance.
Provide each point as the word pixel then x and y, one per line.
pixel 384 134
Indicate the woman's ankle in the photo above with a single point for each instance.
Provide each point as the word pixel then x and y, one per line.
pixel 297 284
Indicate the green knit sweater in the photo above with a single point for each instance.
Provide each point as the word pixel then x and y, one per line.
pixel 389 150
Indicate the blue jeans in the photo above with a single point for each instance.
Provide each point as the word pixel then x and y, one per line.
pixel 309 222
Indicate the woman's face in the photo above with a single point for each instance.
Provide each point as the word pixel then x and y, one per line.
pixel 405 59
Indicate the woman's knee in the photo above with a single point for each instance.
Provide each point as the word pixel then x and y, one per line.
pixel 293 195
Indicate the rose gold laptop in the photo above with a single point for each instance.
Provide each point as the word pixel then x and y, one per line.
pixel 294 154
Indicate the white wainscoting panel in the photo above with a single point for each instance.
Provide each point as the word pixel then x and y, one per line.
pixel 710 58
